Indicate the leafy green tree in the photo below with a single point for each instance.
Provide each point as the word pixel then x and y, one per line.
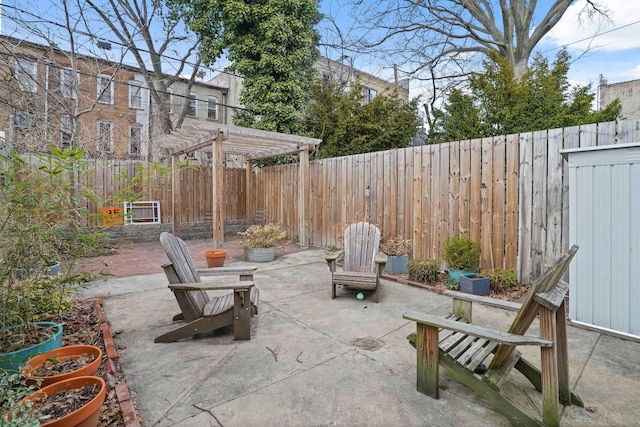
pixel 498 103
pixel 272 44
pixel 349 126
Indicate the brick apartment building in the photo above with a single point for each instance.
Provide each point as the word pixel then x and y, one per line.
pixel 52 97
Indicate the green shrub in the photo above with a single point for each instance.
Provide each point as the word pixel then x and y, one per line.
pixel 501 280
pixel 462 253
pixel 423 271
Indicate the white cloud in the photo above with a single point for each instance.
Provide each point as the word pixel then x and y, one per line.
pixel 575 26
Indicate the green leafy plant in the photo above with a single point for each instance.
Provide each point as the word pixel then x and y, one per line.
pixel 12 390
pixel 396 246
pixel 501 280
pixel 451 284
pixel 423 271
pixel 462 253
pixel 42 220
pixel 263 236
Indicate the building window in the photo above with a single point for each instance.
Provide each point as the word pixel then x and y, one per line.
pixel 212 108
pixel 66 131
pixel 192 109
pixel 69 83
pixel 105 138
pixel 105 90
pixel 135 141
pixel 368 94
pixel 26 72
pixel 135 95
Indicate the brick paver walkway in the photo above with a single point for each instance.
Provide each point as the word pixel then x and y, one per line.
pixel 132 259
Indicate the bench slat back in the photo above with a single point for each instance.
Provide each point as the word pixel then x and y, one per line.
pixel 529 310
pixel 361 242
pixel 191 303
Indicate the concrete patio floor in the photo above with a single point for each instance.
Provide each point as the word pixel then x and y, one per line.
pixel 314 361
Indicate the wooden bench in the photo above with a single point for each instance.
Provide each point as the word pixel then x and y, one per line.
pixel 200 312
pixel 462 348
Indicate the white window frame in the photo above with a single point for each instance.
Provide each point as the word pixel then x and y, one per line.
pixel 138 128
pixel 103 90
pixel 368 94
pixel 99 140
pixel 193 97
pixel 133 86
pixel 212 107
pixel 26 72
pixel 69 85
pixel 66 129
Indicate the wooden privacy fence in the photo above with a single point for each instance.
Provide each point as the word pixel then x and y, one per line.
pixel 112 182
pixel 115 179
pixel 510 193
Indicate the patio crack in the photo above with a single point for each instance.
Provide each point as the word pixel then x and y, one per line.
pixel 196 383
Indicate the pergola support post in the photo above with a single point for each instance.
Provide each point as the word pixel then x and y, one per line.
pixel 249 192
pixel 176 199
pixel 303 191
pixel 218 208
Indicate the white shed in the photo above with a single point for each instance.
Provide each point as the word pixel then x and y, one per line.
pixel 604 200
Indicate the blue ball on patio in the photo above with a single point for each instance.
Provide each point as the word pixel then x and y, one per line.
pixel 360 296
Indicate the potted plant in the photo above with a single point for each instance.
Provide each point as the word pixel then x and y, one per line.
pixel 72 402
pixel 215 257
pixel 260 242
pixel 39 223
pixel 462 256
pixel 62 363
pixel 397 250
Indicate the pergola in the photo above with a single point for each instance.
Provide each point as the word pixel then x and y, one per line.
pixel 252 144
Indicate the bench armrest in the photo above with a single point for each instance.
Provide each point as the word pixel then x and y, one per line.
pixel 476 331
pixel 506 305
pixel 227 271
pixel 242 286
pixel 334 256
pixel 381 258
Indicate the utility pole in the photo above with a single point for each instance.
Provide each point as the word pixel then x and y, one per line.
pixel 397 85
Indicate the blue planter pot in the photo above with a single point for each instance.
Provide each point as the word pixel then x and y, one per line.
pixel 11 362
pixel 396 264
pixel 455 274
pixel 475 284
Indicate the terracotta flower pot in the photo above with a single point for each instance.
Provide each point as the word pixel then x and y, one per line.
pixel 62 354
pixel 215 257
pixel 86 416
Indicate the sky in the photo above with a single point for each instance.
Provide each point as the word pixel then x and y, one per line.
pixel 607 48
pixel 610 49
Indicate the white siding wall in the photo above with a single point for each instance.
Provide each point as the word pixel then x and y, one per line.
pixel 604 185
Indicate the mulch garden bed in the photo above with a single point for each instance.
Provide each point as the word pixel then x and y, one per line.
pixel 85 324
pixel 515 294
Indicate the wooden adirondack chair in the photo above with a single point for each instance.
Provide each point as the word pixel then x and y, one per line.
pixel 200 313
pixel 363 262
pixel 461 348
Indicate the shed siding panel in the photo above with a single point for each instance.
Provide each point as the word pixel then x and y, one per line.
pixel 604 199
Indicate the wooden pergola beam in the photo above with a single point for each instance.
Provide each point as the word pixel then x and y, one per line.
pixel 252 144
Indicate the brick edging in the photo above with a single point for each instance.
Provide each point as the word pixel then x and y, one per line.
pixel 122 390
